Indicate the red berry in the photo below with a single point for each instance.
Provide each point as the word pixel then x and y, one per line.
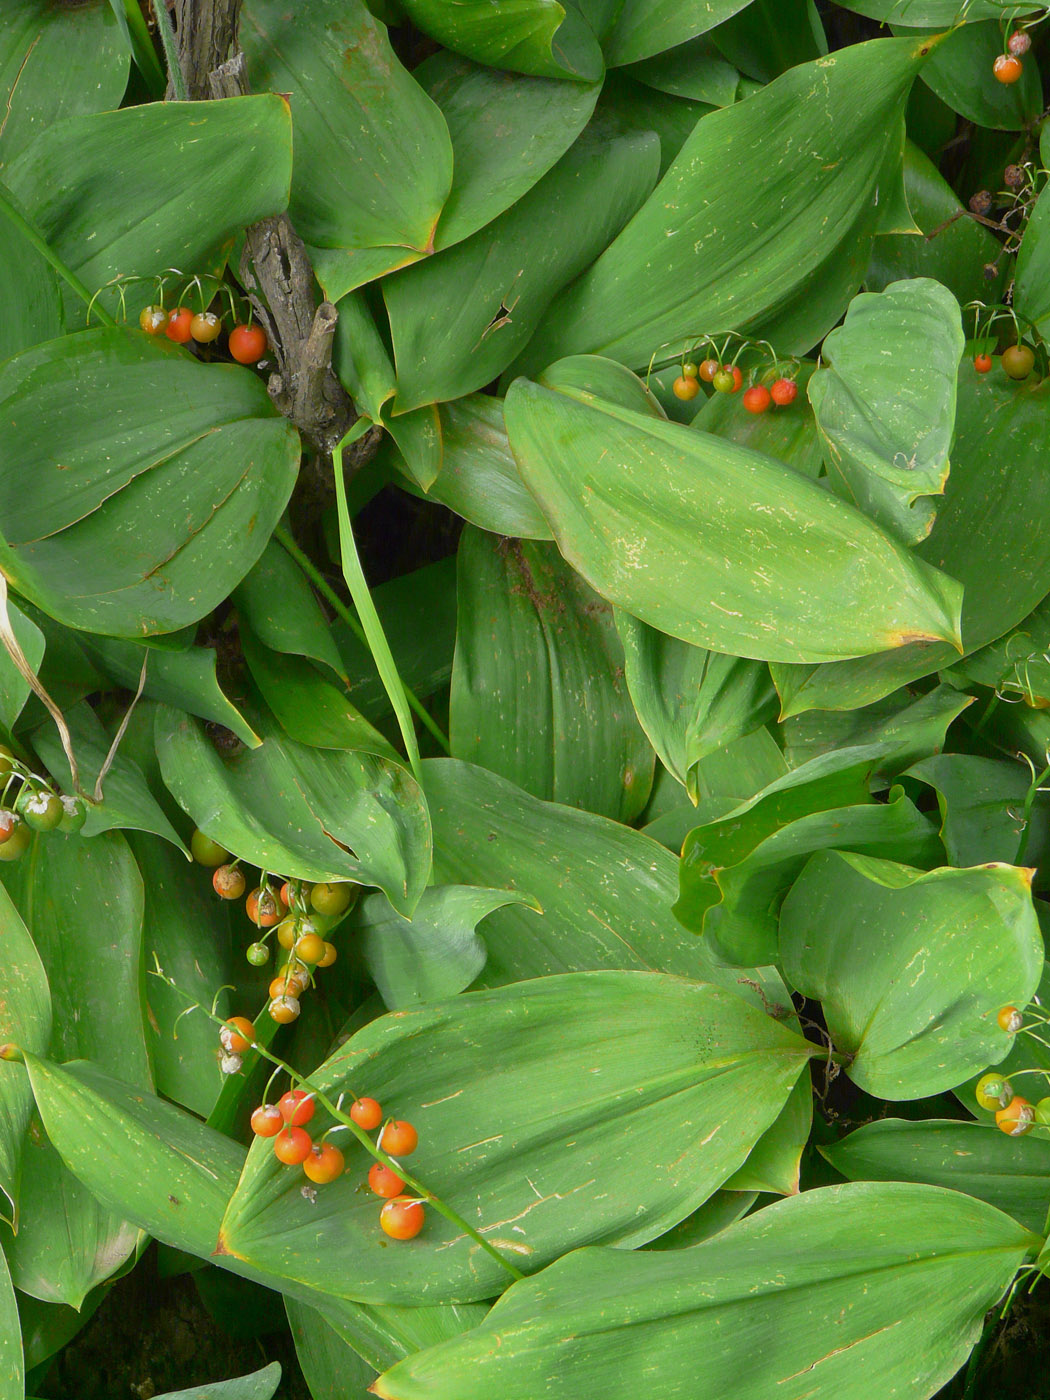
pixel 180 323
pixel 1019 42
pixel 384 1182
pixel 292 1146
pixel 228 882
pixel 324 1163
pixel 8 822
pixel 708 369
pixel 399 1139
pixel 684 388
pixel 982 363
pixel 267 1120
pixel 1007 68
pixel 402 1218
pixel 783 392
pixel 247 344
pixel 297 1107
pixel 264 908
pixel 757 399
pixel 237 1035
pixel 366 1113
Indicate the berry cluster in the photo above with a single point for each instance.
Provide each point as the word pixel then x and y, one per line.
pixel 1018 359
pixel 301 913
pixel 726 377
pixel 401 1216
pixel 1014 1115
pixel 247 342
pixel 1008 66
pixel 28 803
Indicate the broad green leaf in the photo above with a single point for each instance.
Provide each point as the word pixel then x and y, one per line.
pixel 310 814
pixel 785 1298
pixel 774 1163
pixel 771 36
pixel 960 73
pixel 447 344
pixel 724 780
pixel 360 357
pixel 606 890
pixel 540 37
pixel 646 27
pixel 30 302
pixel 479 477
pixel 279 606
pixel 507 131
pixel 713 543
pixel 501 1084
pixel 309 708
pixel 908 728
pixel 739 901
pixel 989 535
pixel 332 1369
pixel 260 1385
pixel 631 106
pixel 981 802
pixel 373 159
pixel 56 61
pixel 138 1154
pixel 885 402
pixel 385 1333
pixel 150 187
pixel 941 14
pixel 825 127
pixel 1010 1173
pixel 911 968
pixel 724 1208
pixel 790 434
pixel 689 701
pixel 187 930
pixel 82 900
pixel 14 689
pixel 436 953
pixel 1032 270
pixel 25 1020
pixel 953 249
pixel 133 521
pixel 47 1327
pixel 695 70
pixel 12 1364
pixel 127 802
pixel 538 692
pixel 595 378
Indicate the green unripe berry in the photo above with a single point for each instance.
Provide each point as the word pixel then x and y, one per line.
pixel 993 1092
pixel 41 809
pixel 724 381
pixel 333 898
pixel 7 760
pixel 258 954
pixel 206 851
pixel 74 814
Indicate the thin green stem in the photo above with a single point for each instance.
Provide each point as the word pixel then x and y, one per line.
pixel 1026 815
pixel 318 580
pixel 375 1151
pixel 49 256
pixel 171 51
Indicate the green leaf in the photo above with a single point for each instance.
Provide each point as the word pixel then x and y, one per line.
pixel 56 61
pixel 1015 664
pixel 479 477
pixel 957 254
pixel 1033 266
pixel 309 708
pixel 1010 1173
pixel 126 799
pixel 941 14
pixel 989 535
pixel 723 1209
pixel 436 953
pixel 827 128
pixel 385 1333
pixel 695 70
pixel 310 814
pixel 373 160
pixel 187 930
pixel 981 802
pixel 30 302
pixel 690 701
pixel 360 357
pixel 774 1163
pixel 893 1303
pixel 279 606
pixel 538 694
pixel 606 890
pixel 518 1065
pixel 12 1365
pixel 771 36
pixel 632 106
pixel 133 521
pixel 960 73
pixel 14 689
pixel 506 131
pixel 739 902
pixel 540 37
pixel 83 902
pixel 911 968
pixel 25 1020
pixel 713 543
pixel 331 1368
pixel 157 1164
pixel 260 1385
pixel 165 184
pixel 885 403
pixel 645 27
pixel 447 344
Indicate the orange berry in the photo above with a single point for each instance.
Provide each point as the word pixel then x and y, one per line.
pixel 237 1035
pixel 1010 1019
pixel 684 388
pixel 366 1113
pixel 324 1163
pixel 247 344
pixel 1007 68
pixel 707 370
pixel 179 325
pixel 297 1107
pixel 286 984
pixel 402 1218
pixel 757 399
pixel 264 908
pixel 330 955
pixel 292 1145
pixel 228 882
pixel 153 319
pixel 1016 1118
pixel 384 1182
pixel 284 1009
pixel 206 327
pixel 399 1139
pixel 310 948
pixel 267 1120
pixel 783 392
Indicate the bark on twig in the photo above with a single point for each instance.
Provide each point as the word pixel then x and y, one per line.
pixel 207 33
